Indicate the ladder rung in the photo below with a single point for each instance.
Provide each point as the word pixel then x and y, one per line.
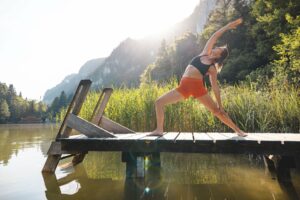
pixel 68 156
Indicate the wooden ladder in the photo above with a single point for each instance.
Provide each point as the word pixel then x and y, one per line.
pixel 100 126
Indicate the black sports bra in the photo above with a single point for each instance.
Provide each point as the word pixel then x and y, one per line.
pixel 196 62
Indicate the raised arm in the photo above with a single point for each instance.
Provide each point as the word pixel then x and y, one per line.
pixel 213 39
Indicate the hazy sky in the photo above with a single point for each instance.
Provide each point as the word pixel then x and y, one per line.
pixel 42 41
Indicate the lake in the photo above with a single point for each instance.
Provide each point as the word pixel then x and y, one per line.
pixel 102 175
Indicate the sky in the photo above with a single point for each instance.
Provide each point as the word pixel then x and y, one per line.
pixel 42 41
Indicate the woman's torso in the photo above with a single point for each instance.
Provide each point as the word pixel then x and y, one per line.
pixel 198 71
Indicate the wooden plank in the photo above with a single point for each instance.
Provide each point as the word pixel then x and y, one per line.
pixel 169 136
pixel 267 137
pixel 64 131
pixel 74 106
pixel 202 137
pixel 275 137
pixel 216 136
pixel 86 128
pixel 136 136
pixel 290 136
pixel 136 143
pixel 120 136
pixel 280 137
pixel 228 136
pixel 55 149
pixel 85 86
pixel 51 163
pixel 153 138
pixel 96 117
pixel 253 137
pixel 78 158
pixel 185 136
pixel 234 136
pixel 113 126
pixel 101 104
pixel 81 136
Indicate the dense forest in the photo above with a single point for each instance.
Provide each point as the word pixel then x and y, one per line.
pixel 15 109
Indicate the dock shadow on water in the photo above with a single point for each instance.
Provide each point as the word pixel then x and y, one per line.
pixel 103 175
pixel 176 176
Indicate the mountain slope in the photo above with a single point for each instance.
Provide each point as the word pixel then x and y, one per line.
pixel 130 58
pixel 71 81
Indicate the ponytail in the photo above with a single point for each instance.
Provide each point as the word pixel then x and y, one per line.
pixel 220 61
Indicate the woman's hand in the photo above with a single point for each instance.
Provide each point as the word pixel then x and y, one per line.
pixel 234 24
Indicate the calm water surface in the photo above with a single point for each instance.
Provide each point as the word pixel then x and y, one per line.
pixel 23 151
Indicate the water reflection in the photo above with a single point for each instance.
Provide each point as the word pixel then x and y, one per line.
pixel 83 185
pixel 15 137
pixel 177 178
pixel 103 176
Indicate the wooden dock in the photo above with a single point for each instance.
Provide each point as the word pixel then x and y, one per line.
pixel 257 143
pixel 102 134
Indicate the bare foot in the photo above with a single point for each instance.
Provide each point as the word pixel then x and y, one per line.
pixel 155 133
pixel 242 133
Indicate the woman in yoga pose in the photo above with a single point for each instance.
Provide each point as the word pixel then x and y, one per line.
pixel 208 63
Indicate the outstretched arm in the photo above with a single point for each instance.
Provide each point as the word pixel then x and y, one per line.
pixel 213 39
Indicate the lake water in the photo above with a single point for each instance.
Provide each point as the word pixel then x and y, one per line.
pixel 102 175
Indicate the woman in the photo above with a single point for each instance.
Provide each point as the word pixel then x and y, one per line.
pixel 209 62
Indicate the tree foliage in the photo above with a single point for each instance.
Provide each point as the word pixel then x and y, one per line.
pixel 13 108
pixel 57 105
pixel 287 66
pixel 265 47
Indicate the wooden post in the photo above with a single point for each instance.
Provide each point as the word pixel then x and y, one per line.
pixel 64 131
pixel 280 165
pixel 131 164
pixel 101 104
pixel 96 117
pixel 136 166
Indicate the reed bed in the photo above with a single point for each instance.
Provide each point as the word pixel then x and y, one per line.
pixel 263 110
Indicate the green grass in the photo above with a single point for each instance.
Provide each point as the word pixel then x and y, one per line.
pixel 264 110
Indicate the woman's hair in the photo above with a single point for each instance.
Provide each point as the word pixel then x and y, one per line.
pixel 219 62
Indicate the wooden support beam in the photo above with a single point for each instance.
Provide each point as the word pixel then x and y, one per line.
pixel 113 126
pixel 55 148
pixel 78 158
pixel 86 128
pixel 101 104
pixel 75 106
pixel 51 163
pixel 64 131
pixel 97 117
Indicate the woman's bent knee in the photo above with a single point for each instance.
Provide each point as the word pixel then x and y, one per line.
pixel 159 102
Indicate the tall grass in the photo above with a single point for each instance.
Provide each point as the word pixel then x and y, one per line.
pixel 264 110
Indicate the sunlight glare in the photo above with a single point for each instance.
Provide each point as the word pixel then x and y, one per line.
pixel 55 38
pixel 143 17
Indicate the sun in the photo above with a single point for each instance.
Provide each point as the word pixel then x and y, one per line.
pixel 144 17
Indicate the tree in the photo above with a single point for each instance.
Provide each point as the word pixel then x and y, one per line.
pixel 287 67
pixel 3 90
pixel 4 110
pixel 63 102
pixel 172 59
